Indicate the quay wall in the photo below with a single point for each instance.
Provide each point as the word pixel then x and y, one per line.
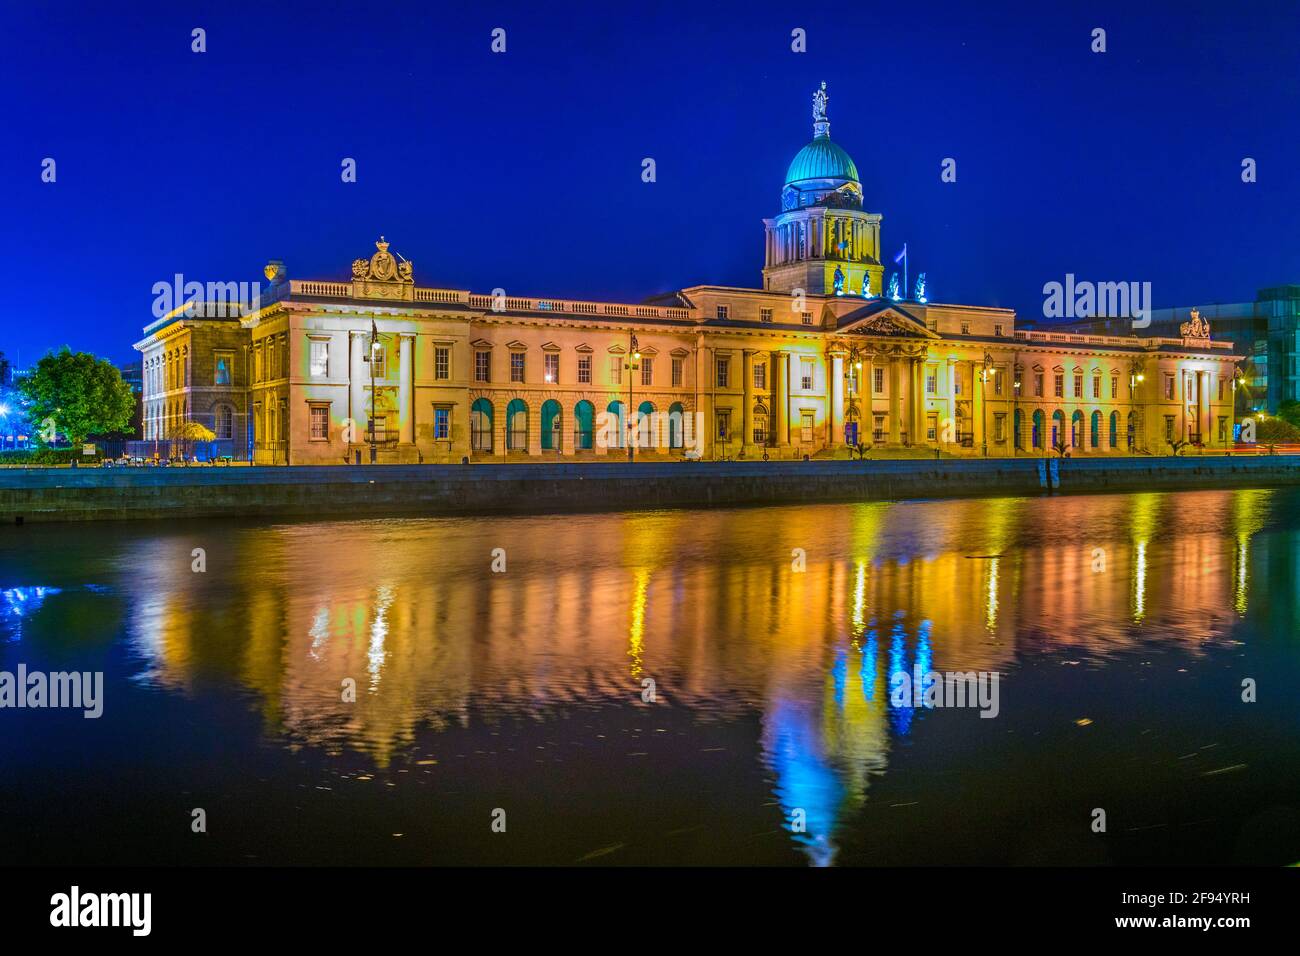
pixel 62 494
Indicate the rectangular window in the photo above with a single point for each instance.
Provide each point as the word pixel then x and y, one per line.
pixel 878 381
pixel 1078 386
pixel 615 369
pixel 516 366
pixel 1169 387
pixel 320 359
pixel 482 366
pixel 584 369
pixel 760 375
pixel 997 329
pixel 320 423
pixel 807 318
pixel 1096 386
pixel 999 427
pixel 956 381
pixel 1059 385
pixel 378 360
pixel 765 315
pixel 1114 386
pixel 1169 428
pixel 806 374
pixel 806 425
pixel 222 364
pixel 931 427
pixel 723 365
pixel 1222 382
pixel 647 370
pixel 1038 384
pixel 677 372
pixel 997 381
pixel 1223 431
pixel 441 424
pixel 965 328
pixel 724 424
pixel 931 382
pixel 551 367
pixel 724 311
pixel 441 363
pixel 878 428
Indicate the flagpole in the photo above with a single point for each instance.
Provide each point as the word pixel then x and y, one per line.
pixel 904 272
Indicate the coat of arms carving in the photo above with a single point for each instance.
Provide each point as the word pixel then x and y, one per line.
pixel 1197 328
pixel 383 275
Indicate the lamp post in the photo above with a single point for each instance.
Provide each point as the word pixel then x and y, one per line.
pixel 984 401
pixel 852 373
pixel 1135 377
pixel 633 363
pixel 373 350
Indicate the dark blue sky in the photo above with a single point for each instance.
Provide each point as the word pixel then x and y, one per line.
pixel 522 170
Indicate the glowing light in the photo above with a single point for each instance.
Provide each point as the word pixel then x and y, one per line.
pixel 636 632
pixel 991 605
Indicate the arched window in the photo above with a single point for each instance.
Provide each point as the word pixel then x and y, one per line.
pixel 1039 423
pixel 1058 427
pixel 551 425
pixel 1016 424
pixel 1096 430
pixel 584 424
pixel 480 425
pixel 1076 429
pixel 1114 430
pixel 517 425
pixel 223 420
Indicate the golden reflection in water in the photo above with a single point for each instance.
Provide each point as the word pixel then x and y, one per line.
pixel 706 603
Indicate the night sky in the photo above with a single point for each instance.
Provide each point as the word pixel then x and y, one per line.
pixel 523 170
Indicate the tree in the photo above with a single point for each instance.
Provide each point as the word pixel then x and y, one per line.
pixel 1289 412
pixel 188 434
pixel 76 394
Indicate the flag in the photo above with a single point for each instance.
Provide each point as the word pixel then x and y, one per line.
pixel 902 255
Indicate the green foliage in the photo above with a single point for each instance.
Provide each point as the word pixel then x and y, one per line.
pixel 1275 431
pixel 1289 412
pixel 79 394
pixel 40 456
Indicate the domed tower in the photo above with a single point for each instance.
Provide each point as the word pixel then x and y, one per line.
pixel 822 242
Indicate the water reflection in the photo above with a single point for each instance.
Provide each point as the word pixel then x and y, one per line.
pixel 704 603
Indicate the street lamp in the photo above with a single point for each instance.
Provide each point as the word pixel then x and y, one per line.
pixel 374 352
pixel 1135 377
pixel 852 375
pixel 984 401
pixel 633 363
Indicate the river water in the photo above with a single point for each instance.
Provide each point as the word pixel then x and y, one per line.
pixel 667 687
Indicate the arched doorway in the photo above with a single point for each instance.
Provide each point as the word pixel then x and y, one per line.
pixel 645 417
pixel 551 421
pixel 1076 429
pixel 760 424
pixel 675 413
pixel 1016 424
pixel 1096 431
pixel 615 428
pixel 1058 428
pixel 1039 424
pixel 517 425
pixel 480 425
pixel 584 423
pixel 1114 430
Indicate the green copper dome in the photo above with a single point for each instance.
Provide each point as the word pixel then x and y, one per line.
pixel 821 159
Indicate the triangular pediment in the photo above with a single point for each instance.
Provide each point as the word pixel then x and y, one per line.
pixel 886 320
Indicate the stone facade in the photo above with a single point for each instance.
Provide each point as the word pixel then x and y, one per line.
pixel 379 368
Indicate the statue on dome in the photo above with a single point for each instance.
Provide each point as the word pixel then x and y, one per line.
pixel 866 285
pixel 819 104
pixel 893 287
pixel 920 288
pixel 839 281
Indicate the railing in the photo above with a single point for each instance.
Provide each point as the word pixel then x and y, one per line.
pixel 1072 338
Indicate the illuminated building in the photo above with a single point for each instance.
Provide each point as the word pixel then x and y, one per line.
pixel 812 362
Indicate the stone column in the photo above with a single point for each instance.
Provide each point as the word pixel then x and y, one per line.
pixel 917 406
pixel 568 422
pixel 747 416
pixel 780 401
pixel 358 385
pixel 836 435
pixel 498 428
pixel 406 388
pixel 895 396
pixel 534 428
